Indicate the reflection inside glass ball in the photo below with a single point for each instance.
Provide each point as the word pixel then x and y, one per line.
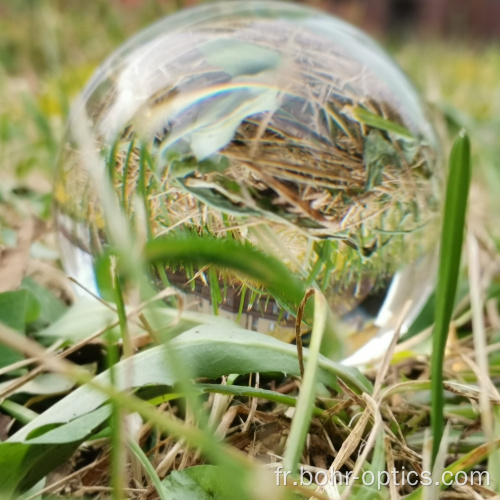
pixel 271 124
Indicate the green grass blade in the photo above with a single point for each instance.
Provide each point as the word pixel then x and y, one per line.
pixel 243 258
pixel 449 266
pixel 376 467
pixel 464 464
pixel 305 403
pixel 21 413
pixel 255 392
pixel 149 469
pixel 118 439
pixel 376 121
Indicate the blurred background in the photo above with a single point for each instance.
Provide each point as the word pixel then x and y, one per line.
pixel 474 18
pixel 477 18
pixel 49 48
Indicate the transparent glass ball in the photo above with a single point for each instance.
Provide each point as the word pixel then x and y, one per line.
pixel 270 124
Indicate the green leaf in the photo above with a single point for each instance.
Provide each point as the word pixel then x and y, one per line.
pixel 203 482
pixel 302 418
pixel 183 167
pixel 50 307
pixel 449 267
pixel 206 351
pixel 148 468
pixel 88 315
pixel 33 308
pixel 13 309
pixel 215 164
pixel 378 153
pixel 254 392
pixel 44 384
pixel 23 464
pixel 84 318
pixel 18 411
pixel 13 306
pixel 377 121
pixel 227 254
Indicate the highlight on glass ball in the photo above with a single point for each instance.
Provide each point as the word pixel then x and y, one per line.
pixel 267 124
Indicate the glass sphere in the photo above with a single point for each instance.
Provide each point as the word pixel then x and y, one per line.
pixel 266 123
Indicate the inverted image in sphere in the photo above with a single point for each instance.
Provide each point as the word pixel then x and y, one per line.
pixel 267 124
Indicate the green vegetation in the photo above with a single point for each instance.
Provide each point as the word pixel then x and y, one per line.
pixel 141 400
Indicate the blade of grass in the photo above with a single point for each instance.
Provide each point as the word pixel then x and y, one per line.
pixel 119 436
pixel 243 258
pixel 489 415
pixel 149 469
pixel 254 392
pixel 118 427
pixel 21 413
pixel 305 403
pixel 376 121
pixel 451 249
pixel 463 464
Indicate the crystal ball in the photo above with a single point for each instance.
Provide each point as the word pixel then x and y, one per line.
pixel 270 124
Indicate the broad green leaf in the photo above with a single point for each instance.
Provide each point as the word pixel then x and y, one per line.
pixel 13 307
pixel 87 316
pixel 203 482
pixel 23 464
pixel 84 318
pixel 50 307
pixel 206 351
pixel 38 487
pixel 44 384
pixel 33 308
